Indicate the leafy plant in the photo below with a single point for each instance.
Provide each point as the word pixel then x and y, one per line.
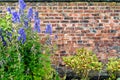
pixel 22 56
pixel 83 62
pixel 113 67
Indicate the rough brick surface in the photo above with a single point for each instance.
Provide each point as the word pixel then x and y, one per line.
pixel 79 24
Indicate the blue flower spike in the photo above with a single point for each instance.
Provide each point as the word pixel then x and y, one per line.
pixel 48 29
pixel 22 36
pixel 30 14
pixel 37 25
pixel 15 17
pixel 36 15
pixel 22 4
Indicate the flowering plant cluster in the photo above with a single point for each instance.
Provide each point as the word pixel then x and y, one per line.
pixel 22 57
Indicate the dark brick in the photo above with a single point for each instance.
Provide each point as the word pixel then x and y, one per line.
pixel 90 4
pixel 85 7
pixel 107 7
pixel 65 8
pixel 63 52
pixel 93 31
pixel 68 18
pixel 64 21
pixel 75 8
pixel 78 28
pixel 112 31
pixel 59 28
pixel 79 34
pixel 74 21
pixel 0 11
pixel 118 37
pixel 70 28
pixel 99 27
pixel 58 18
pixel 84 21
pixel 96 17
pixel 54 32
pixel 95 14
pixel 88 45
pixel 49 17
pixel 116 10
pixel 86 17
pixel 116 17
pixel 45 21
pixel 80 42
pixel 100 24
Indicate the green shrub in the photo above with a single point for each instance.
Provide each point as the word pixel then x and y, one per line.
pixel 83 62
pixel 113 68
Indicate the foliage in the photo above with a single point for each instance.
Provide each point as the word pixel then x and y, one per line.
pixel 22 57
pixel 113 66
pixel 83 62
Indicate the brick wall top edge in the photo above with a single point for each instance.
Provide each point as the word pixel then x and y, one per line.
pixel 62 0
pixel 70 3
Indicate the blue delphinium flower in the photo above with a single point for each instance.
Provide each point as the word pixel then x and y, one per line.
pixel 15 17
pixel 22 4
pixel 9 10
pixel 37 25
pixel 36 15
pixel 22 36
pixel 26 23
pixel 48 29
pixel 30 14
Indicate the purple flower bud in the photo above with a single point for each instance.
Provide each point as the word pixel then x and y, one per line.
pixel 15 17
pixel 30 14
pixel 22 36
pixel 37 25
pixel 22 4
pixel 9 10
pixel 48 29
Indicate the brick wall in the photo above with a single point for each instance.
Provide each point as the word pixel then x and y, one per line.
pixel 79 24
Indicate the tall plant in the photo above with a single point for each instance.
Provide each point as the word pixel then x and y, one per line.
pixel 22 57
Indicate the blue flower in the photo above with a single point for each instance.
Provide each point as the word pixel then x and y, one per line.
pixel 22 4
pixel 9 10
pixel 48 29
pixel 22 36
pixel 36 15
pixel 26 23
pixel 37 25
pixel 15 17
pixel 30 14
